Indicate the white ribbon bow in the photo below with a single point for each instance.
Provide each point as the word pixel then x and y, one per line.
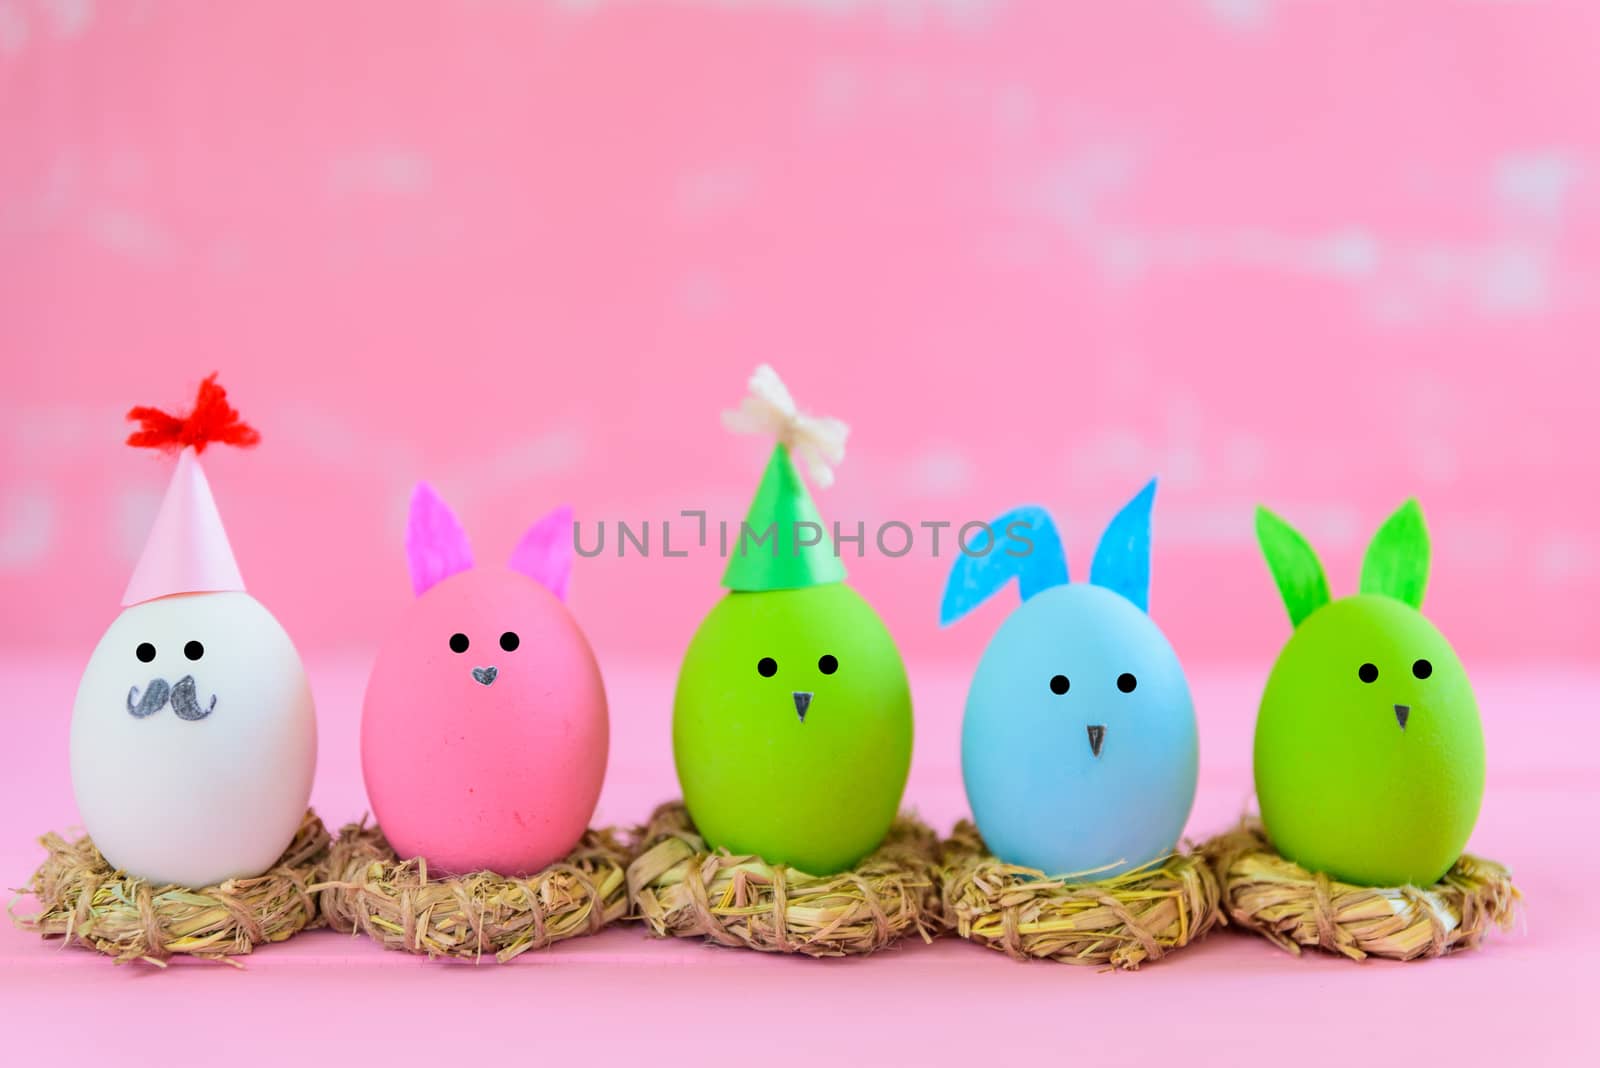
pixel 769 409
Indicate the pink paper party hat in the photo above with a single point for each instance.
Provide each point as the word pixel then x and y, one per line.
pixel 188 551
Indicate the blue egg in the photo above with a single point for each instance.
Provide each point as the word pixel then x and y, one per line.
pixel 1079 745
pixel 1078 748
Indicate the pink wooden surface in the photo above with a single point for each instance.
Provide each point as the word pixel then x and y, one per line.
pixel 624 994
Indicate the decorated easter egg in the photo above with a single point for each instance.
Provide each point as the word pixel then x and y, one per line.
pixel 792 727
pixel 193 740
pixel 792 720
pixel 1078 748
pixel 1369 758
pixel 194 736
pixel 484 731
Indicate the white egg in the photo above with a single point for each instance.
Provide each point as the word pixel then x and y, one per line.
pixel 211 782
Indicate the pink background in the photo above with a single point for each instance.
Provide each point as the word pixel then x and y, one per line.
pixel 530 250
pixel 1320 254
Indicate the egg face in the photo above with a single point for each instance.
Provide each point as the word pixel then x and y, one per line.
pixel 1369 753
pixel 484 733
pixel 792 727
pixel 193 740
pixel 1079 746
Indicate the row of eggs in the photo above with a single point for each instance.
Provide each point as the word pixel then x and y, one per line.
pixel 485 726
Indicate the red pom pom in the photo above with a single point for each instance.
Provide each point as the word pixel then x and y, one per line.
pixel 212 420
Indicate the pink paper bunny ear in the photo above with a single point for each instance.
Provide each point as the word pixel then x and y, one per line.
pixel 436 546
pixel 545 552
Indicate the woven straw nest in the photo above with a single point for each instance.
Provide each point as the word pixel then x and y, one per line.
pixel 1293 907
pixel 82 899
pixel 365 887
pixel 682 889
pixel 1118 922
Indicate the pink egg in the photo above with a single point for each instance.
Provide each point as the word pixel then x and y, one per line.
pixel 484 733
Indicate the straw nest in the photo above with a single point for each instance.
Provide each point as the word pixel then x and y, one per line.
pixel 1293 907
pixel 82 899
pixel 365 887
pixel 1118 922
pixel 681 889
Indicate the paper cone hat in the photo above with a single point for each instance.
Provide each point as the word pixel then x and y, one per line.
pixel 783 544
pixel 187 551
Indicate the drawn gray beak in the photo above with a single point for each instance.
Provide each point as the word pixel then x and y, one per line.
pixel 1402 713
pixel 486 675
pixel 802 701
pixel 1097 738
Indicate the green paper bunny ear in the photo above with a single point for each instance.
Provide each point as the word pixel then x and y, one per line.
pixel 1396 564
pixel 1294 565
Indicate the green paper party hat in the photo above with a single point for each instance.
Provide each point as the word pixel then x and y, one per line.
pixel 783 544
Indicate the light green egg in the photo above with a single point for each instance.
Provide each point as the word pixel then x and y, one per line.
pixel 1369 752
pixel 792 727
pixel 1369 756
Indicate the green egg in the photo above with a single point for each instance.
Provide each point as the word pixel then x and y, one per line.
pixel 1369 756
pixel 792 727
pixel 1368 751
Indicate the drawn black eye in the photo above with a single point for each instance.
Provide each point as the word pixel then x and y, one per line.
pixel 767 666
pixel 146 652
pixel 509 641
pixel 1059 684
pixel 459 642
pixel 1126 682
pixel 1422 669
pixel 1368 672
pixel 828 664
pixel 194 650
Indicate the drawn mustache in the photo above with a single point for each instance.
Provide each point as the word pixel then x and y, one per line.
pixel 185 702
pixel 155 697
pixel 183 694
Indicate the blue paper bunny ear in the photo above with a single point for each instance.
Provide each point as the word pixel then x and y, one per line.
pixel 1122 559
pixel 1023 545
